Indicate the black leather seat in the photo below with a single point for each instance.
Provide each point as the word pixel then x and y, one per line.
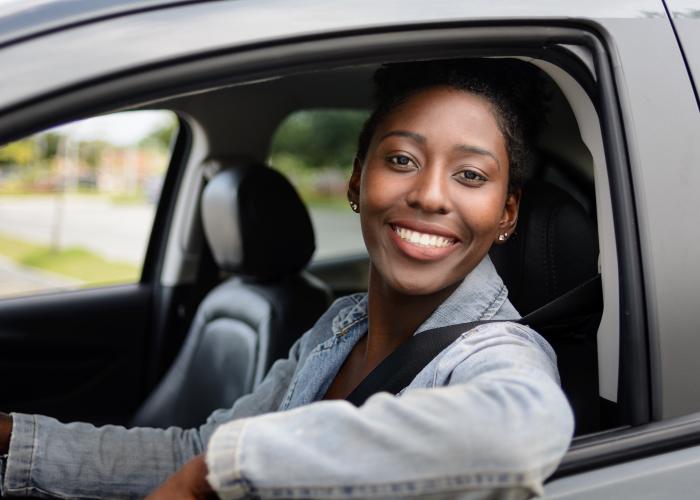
pixel 259 230
pixel 554 250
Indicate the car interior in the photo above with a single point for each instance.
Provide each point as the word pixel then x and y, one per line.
pixel 250 314
pixel 230 298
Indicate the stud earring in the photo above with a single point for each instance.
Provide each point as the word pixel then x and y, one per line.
pixel 354 206
pixel 502 237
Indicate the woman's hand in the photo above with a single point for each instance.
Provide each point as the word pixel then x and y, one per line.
pixel 5 432
pixel 188 483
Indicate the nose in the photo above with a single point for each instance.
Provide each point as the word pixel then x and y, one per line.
pixel 429 191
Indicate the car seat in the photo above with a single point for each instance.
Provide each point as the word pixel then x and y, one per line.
pixel 554 250
pixel 259 231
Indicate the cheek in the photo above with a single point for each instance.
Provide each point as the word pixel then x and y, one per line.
pixel 379 189
pixel 482 212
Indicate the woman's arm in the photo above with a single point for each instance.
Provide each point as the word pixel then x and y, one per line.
pixel 501 422
pixel 79 459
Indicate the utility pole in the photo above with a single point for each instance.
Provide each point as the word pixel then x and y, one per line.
pixel 60 198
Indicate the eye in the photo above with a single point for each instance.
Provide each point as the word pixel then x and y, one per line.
pixel 471 177
pixel 400 160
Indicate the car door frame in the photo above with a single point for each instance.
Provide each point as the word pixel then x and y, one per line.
pixel 334 48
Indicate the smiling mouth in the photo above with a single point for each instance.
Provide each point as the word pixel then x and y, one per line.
pixel 426 240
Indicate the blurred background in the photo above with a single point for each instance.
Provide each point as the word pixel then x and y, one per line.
pixel 77 202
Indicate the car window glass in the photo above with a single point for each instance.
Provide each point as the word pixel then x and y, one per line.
pixel 315 150
pixel 77 202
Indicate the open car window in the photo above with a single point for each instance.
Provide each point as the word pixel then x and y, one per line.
pixel 315 149
pixel 77 201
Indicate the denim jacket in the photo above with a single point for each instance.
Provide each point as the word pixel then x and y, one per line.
pixel 486 415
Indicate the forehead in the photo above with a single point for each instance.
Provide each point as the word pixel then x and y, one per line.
pixel 449 114
pixel 445 101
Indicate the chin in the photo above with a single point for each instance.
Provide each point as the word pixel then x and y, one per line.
pixel 420 285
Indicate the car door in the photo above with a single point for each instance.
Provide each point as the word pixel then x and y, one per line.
pixel 663 456
pixel 685 16
pixel 646 348
pixel 84 216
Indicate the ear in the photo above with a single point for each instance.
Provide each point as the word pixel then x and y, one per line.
pixel 509 218
pixel 354 184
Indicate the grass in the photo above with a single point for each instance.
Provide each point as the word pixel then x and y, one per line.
pixel 76 263
pixel 128 199
pixel 115 198
pixel 335 203
pixel 14 249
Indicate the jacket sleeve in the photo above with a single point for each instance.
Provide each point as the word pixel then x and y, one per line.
pixel 496 419
pixel 79 460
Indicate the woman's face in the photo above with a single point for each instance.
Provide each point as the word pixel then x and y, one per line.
pixel 433 190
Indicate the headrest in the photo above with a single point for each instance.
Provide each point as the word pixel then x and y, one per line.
pixel 255 223
pixel 554 248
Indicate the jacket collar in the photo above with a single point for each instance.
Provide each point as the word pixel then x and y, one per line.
pixel 479 297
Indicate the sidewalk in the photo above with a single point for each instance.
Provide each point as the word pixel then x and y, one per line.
pixel 17 280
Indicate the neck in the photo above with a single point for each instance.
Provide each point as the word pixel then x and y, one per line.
pixel 394 317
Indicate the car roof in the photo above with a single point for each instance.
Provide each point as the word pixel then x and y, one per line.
pixel 22 19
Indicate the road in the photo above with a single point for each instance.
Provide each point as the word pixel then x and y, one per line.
pixel 114 231
pixel 120 231
pixel 16 280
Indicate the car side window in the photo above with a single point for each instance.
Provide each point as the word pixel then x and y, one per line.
pixel 315 149
pixel 77 202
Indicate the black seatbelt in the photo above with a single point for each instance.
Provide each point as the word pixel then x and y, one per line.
pixel 398 369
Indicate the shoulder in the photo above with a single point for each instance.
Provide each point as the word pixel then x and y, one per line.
pixel 510 331
pixel 501 345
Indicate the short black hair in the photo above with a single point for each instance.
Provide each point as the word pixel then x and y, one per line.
pixel 514 88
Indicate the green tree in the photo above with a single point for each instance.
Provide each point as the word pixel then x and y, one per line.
pixel 41 147
pixel 161 137
pixel 21 153
pixel 48 145
pixel 320 138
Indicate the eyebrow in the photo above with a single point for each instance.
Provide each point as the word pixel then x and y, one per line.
pixel 461 147
pixel 405 133
pixel 478 151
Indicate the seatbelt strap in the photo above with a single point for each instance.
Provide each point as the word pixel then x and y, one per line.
pixel 398 369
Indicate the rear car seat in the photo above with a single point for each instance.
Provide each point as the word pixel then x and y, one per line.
pixel 259 230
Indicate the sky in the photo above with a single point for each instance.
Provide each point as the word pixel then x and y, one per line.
pixel 122 129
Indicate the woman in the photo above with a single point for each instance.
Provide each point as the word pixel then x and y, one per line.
pixel 436 183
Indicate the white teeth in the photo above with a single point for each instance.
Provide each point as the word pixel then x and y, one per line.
pixel 423 239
